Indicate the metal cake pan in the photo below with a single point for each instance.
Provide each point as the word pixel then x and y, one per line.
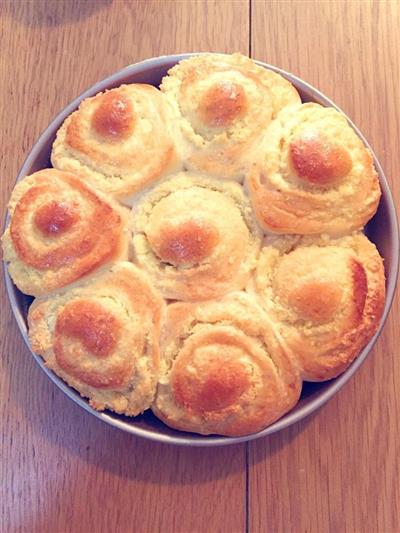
pixel 382 230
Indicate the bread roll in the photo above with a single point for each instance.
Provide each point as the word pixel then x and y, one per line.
pixel 121 140
pixel 313 175
pixel 224 103
pixel 102 338
pixel 196 237
pixel 61 230
pixel 222 369
pixel 324 296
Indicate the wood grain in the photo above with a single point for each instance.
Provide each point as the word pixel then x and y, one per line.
pixel 62 470
pixel 339 470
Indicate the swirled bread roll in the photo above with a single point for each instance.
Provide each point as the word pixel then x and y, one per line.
pixel 314 175
pixel 60 230
pixel 325 297
pixel 224 103
pixel 102 338
pixel 121 140
pixel 222 369
pixel 196 237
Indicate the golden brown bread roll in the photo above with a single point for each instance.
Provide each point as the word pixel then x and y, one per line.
pixel 324 296
pixel 196 237
pixel 60 230
pixel 121 140
pixel 313 174
pixel 102 338
pixel 224 103
pixel 222 369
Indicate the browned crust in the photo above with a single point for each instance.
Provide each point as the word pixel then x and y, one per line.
pixel 222 104
pixel 280 387
pixel 185 244
pixel 202 66
pixel 124 163
pixel 303 212
pixel 87 323
pixel 98 241
pixel 226 159
pixel 114 119
pixel 102 389
pixel 323 362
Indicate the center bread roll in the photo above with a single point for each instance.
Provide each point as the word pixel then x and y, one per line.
pixel 324 296
pixel 224 103
pixel 196 237
pixel 102 338
pixel 222 369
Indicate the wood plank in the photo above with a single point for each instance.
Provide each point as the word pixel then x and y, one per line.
pixel 61 469
pixel 339 470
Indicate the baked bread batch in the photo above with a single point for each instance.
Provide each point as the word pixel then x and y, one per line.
pixel 197 249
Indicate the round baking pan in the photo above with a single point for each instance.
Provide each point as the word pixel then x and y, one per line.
pixel 382 230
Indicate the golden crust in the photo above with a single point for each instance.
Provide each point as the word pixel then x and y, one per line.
pixel 313 175
pixel 196 237
pixel 60 230
pixel 224 103
pixel 120 141
pixel 222 369
pixel 324 296
pixel 101 337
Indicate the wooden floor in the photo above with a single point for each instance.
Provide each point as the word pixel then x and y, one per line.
pixel 64 471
